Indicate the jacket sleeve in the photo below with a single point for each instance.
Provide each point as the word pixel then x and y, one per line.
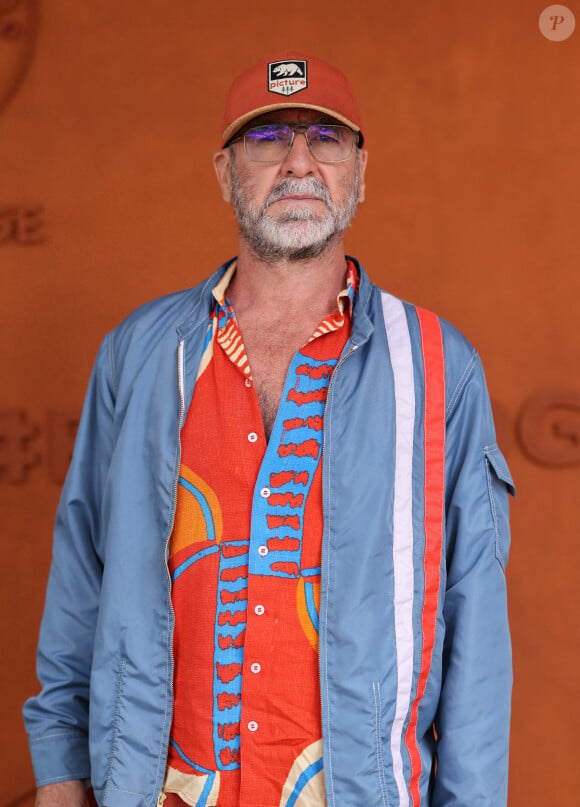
pixel 57 718
pixel 472 724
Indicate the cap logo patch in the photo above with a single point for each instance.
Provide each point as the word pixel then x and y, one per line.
pixel 286 78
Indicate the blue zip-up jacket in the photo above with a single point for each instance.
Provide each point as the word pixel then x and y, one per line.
pixel 415 660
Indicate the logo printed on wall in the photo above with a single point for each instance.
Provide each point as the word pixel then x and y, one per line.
pixel 286 78
pixel 22 224
pixel 18 27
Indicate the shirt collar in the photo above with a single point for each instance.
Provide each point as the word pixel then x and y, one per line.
pixel 219 291
pixel 347 296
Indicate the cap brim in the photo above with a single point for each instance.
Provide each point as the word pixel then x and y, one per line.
pixel 236 125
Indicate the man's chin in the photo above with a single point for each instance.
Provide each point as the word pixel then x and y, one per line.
pixel 303 230
pixel 293 247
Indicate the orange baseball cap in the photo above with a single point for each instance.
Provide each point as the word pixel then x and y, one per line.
pixel 290 80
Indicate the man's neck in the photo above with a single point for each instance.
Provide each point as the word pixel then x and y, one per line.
pixel 281 288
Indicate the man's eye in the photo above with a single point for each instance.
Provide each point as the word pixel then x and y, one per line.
pixel 326 135
pixel 265 136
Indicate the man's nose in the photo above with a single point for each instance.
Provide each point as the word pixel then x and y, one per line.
pixel 299 160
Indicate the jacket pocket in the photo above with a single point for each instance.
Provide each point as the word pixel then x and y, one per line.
pixel 499 483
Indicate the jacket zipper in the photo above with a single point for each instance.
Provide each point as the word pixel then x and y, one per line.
pixel 181 393
pixel 340 363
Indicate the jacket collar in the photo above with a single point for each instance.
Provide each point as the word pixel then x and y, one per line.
pixel 201 303
pixel 203 300
pixel 362 325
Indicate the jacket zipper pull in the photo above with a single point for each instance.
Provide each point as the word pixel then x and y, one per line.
pixel 161 799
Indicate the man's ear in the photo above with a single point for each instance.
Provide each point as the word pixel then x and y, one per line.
pixel 363 159
pixel 222 165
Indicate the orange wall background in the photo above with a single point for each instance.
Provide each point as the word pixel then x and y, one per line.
pixel 108 198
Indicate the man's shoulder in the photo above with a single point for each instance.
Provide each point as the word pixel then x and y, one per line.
pixel 417 317
pixel 427 328
pixel 167 314
pixel 172 307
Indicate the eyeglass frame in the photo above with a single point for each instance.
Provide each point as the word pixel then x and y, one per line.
pixel 301 128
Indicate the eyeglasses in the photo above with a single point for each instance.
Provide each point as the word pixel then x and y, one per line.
pixel 328 143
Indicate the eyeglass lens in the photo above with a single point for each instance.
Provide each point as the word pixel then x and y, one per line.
pixel 327 142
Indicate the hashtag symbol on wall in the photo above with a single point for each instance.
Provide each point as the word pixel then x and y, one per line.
pixel 17 454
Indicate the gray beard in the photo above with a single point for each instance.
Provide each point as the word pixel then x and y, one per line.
pixel 299 234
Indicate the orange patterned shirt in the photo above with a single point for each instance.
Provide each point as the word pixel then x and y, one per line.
pixel 245 557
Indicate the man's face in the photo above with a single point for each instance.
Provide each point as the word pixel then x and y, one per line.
pixel 296 208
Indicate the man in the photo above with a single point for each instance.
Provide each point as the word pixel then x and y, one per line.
pixel 278 573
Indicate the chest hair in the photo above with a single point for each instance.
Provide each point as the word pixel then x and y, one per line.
pixel 270 351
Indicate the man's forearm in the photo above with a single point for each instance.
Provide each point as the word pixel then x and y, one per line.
pixel 62 794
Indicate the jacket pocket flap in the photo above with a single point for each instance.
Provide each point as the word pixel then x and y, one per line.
pixel 497 461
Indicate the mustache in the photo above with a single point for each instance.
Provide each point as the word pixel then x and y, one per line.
pixel 308 185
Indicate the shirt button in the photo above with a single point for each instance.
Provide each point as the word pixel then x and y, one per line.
pixel 265 493
pixel 247 382
pixel 252 726
pixel 255 668
pixel 262 551
pixel 259 609
pixel 252 437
